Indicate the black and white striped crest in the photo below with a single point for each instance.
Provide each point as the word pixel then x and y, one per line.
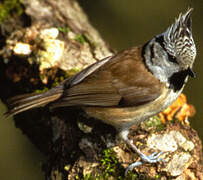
pixel 178 40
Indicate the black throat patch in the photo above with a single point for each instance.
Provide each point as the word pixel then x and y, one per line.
pixel 177 80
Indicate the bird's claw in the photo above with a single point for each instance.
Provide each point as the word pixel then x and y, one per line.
pixel 132 166
pixel 152 158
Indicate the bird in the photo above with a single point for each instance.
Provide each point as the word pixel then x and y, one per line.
pixel 128 87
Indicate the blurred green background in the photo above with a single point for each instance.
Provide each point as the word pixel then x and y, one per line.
pixel 122 23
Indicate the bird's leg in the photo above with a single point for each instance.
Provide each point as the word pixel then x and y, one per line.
pixel 153 158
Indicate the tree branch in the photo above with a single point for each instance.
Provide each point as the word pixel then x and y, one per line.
pixel 49 42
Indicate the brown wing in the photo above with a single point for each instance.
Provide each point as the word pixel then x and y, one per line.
pixel 121 81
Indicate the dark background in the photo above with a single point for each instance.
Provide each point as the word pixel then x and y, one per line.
pixel 122 23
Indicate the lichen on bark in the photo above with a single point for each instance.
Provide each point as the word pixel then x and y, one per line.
pixel 54 42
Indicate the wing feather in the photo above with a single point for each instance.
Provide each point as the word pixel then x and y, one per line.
pixel 122 80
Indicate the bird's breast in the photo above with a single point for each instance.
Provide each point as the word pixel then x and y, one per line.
pixel 125 117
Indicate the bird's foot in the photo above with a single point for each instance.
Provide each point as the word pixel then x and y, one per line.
pixel 153 158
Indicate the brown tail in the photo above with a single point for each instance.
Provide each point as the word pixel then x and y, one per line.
pixel 24 102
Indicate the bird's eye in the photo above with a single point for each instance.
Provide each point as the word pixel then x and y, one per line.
pixel 172 58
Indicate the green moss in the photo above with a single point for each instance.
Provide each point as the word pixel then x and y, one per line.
pixel 131 176
pixel 157 177
pixel 48 79
pixel 75 70
pixel 155 123
pixel 110 165
pixel 67 167
pixel 9 6
pixel 88 177
pixel 41 90
pixel 63 29
pixel 92 43
pixel 80 38
pixel 64 75
pixel 111 168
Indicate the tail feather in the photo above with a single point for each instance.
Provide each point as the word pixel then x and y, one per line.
pixel 25 102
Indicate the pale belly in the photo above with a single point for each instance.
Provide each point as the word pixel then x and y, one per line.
pixel 126 117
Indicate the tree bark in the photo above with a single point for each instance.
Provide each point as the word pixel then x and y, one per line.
pixel 48 42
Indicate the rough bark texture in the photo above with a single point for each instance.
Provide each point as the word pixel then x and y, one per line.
pixel 50 41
